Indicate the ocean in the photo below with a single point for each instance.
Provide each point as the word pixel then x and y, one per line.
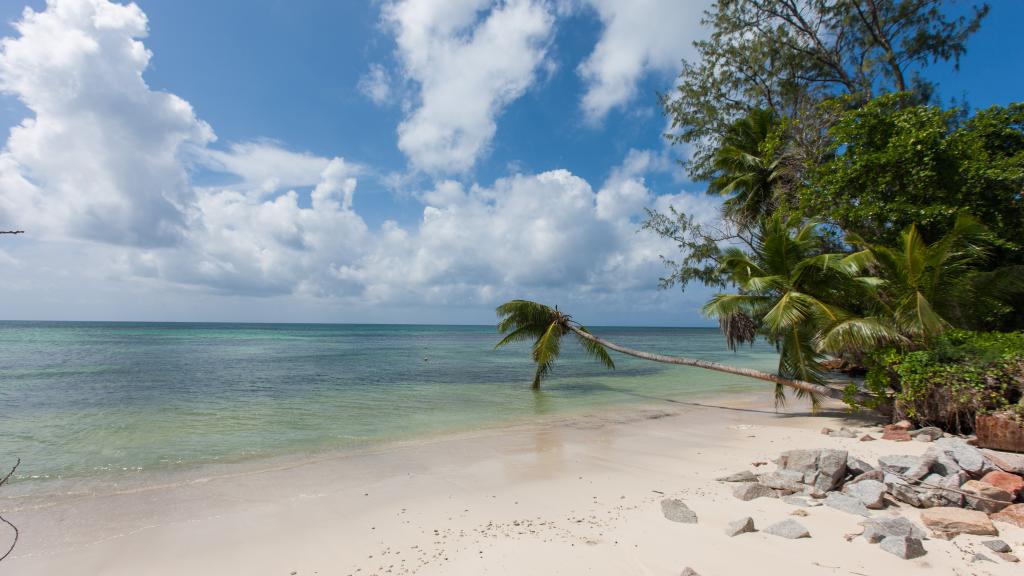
pixel 102 399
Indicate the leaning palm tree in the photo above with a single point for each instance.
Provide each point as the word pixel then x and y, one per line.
pixel 523 320
pixel 747 167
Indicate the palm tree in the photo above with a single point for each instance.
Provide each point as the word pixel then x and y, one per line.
pixel 524 320
pixel 788 293
pixel 921 285
pixel 747 168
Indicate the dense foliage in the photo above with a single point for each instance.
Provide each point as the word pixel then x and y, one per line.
pixel 962 374
pixel 788 55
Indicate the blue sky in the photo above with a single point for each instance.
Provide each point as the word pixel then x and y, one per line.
pixel 409 161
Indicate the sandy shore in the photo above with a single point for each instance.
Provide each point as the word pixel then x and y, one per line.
pixel 571 496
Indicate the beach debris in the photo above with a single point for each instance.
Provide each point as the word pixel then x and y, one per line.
pixel 991 499
pixel 870 493
pixel 867 438
pixel 905 547
pixel 677 511
pixel 788 529
pixel 827 431
pixel 799 512
pixel 758 463
pixel 741 526
pixel 750 490
pixel 744 476
pixel 847 504
pixel 688 572
pixel 1011 483
pixel 1012 514
pixel 1008 557
pixel 997 546
pixel 948 522
pixel 878 529
pixel 904 425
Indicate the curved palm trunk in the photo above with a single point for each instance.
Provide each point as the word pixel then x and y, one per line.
pixel 809 387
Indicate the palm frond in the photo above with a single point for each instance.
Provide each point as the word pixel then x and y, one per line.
pixel 595 350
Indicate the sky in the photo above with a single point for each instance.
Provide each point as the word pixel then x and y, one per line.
pixel 397 161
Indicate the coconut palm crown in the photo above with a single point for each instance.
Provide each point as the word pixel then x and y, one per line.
pixel 522 320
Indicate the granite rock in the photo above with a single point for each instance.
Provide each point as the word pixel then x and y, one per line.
pixel 788 529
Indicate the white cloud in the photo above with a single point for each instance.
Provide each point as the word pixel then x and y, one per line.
pixel 639 36
pixel 469 61
pixel 100 159
pixel 101 177
pixel 376 85
pixel 265 167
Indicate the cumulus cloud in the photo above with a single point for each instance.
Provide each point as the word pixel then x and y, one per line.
pixel 102 175
pixel 639 36
pixel 101 157
pixel 470 60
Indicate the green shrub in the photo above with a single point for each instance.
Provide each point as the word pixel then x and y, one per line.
pixel 964 373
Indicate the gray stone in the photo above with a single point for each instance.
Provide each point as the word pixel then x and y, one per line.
pixel 751 490
pixel 903 546
pixel 923 466
pixel 744 476
pixel 898 463
pixel 903 491
pixel 803 461
pixel 741 526
pixel 968 457
pixel 831 469
pixel 877 529
pixel 688 572
pixel 944 463
pixel 997 546
pixel 844 433
pixel 788 529
pixel 942 494
pixel 1005 461
pixel 856 466
pixel 784 485
pixel 847 504
pixel 979 557
pixel 870 493
pixel 677 511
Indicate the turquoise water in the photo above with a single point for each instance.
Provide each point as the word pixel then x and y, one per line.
pixel 80 399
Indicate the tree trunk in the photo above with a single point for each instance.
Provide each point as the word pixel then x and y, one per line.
pixel 809 387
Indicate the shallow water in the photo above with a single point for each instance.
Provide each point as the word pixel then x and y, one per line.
pixel 81 399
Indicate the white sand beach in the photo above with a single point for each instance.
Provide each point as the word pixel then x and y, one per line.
pixel 576 495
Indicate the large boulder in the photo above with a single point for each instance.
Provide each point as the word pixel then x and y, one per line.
pixel 1012 514
pixel 1011 483
pixel 985 497
pixel 870 493
pixel 903 491
pixel 947 522
pixel 967 457
pixel 847 504
pixel 898 463
pixel 1005 461
pixel 821 469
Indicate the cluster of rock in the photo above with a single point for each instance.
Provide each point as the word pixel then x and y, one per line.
pixel 961 487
